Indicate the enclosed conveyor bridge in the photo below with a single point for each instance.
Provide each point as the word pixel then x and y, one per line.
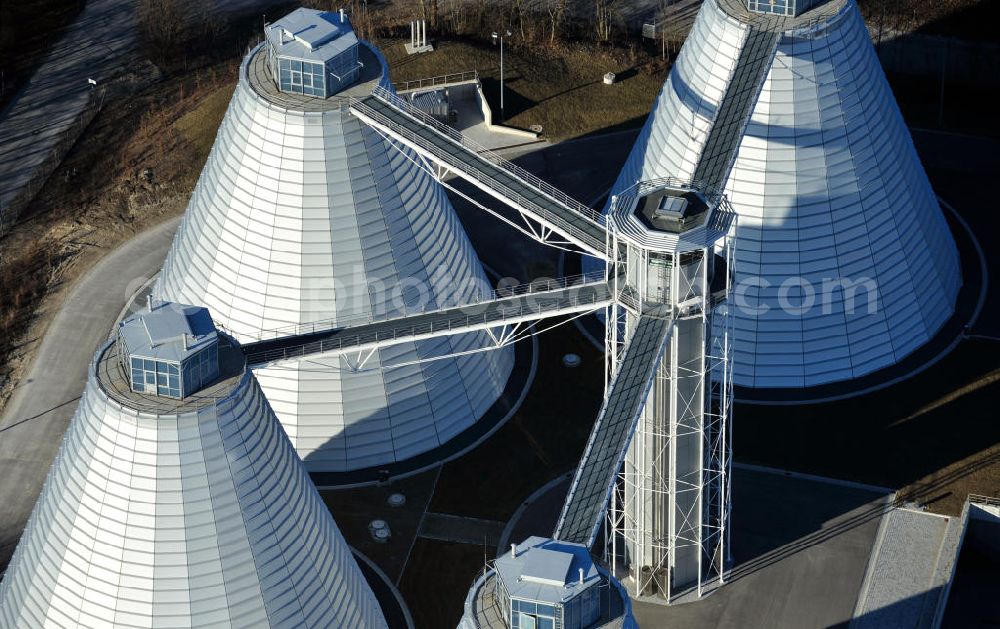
pixel 752 65
pixel 532 198
pixel 562 297
pixel 588 497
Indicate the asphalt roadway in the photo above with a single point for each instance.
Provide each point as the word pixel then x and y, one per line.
pixel 99 45
pixel 37 414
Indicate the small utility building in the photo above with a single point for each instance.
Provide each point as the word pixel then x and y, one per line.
pixel 548 584
pixel 313 52
pixel 170 350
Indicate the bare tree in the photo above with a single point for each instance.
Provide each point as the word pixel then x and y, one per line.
pixel 556 11
pixel 604 12
pixel 162 24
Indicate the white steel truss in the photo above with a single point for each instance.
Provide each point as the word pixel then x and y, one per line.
pixel 527 223
pixel 667 532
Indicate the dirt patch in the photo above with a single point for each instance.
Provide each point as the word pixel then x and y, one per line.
pixel 199 125
pixel 964 19
pixel 562 91
pixel 134 166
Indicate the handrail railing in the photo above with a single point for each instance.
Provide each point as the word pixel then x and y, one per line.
pixel 486 154
pixel 484 296
pixel 984 500
pixel 559 221
pixel 441 79
pixel 429 325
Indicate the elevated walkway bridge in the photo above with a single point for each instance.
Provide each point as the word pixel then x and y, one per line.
pixel 556 213
pixel 534 302
pixel 533 199
pixel 735 108
pixel 594 480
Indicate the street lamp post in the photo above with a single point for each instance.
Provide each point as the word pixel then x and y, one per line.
pixel 500 37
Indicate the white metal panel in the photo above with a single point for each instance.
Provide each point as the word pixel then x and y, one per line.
pixel 307 216
pixel 828 187
pixel 222 526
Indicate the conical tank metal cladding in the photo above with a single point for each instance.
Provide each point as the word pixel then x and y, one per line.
pixel 303 214
pixel 168 507
pixel 845 263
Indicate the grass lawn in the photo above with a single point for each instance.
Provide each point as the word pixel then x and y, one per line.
pixel 563 92
pixel 200 125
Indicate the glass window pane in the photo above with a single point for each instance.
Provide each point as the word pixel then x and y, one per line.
pixel 283 64
pixel 150 377
pixel 136 363
pixel 148 365
pixel 172 369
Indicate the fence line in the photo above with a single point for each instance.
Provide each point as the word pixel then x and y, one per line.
pixel 441 79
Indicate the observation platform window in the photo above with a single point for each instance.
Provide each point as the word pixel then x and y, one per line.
pixel 781 7
pixel 171 350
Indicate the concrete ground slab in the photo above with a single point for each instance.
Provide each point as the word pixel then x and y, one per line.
pixel 800 545
pixel 904 584
pixel 461 529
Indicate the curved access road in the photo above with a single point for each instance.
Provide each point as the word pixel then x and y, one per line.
pixel 37 414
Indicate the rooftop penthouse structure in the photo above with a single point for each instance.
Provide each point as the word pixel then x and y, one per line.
pixel 546 584
pixel 313 53
pixel 170 350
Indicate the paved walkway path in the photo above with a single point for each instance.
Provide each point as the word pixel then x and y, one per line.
pixel 38 413
pixel 98 45
pixel 912 562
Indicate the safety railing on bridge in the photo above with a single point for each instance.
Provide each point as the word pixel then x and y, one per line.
pixel 984 500
pixel 486 154
pixel 434 81
pixel 454 320
pixel 489 157
pixel 471 301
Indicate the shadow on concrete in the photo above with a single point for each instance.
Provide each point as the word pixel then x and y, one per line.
pixel 513 101
pixel 43 413
pixel 497 413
